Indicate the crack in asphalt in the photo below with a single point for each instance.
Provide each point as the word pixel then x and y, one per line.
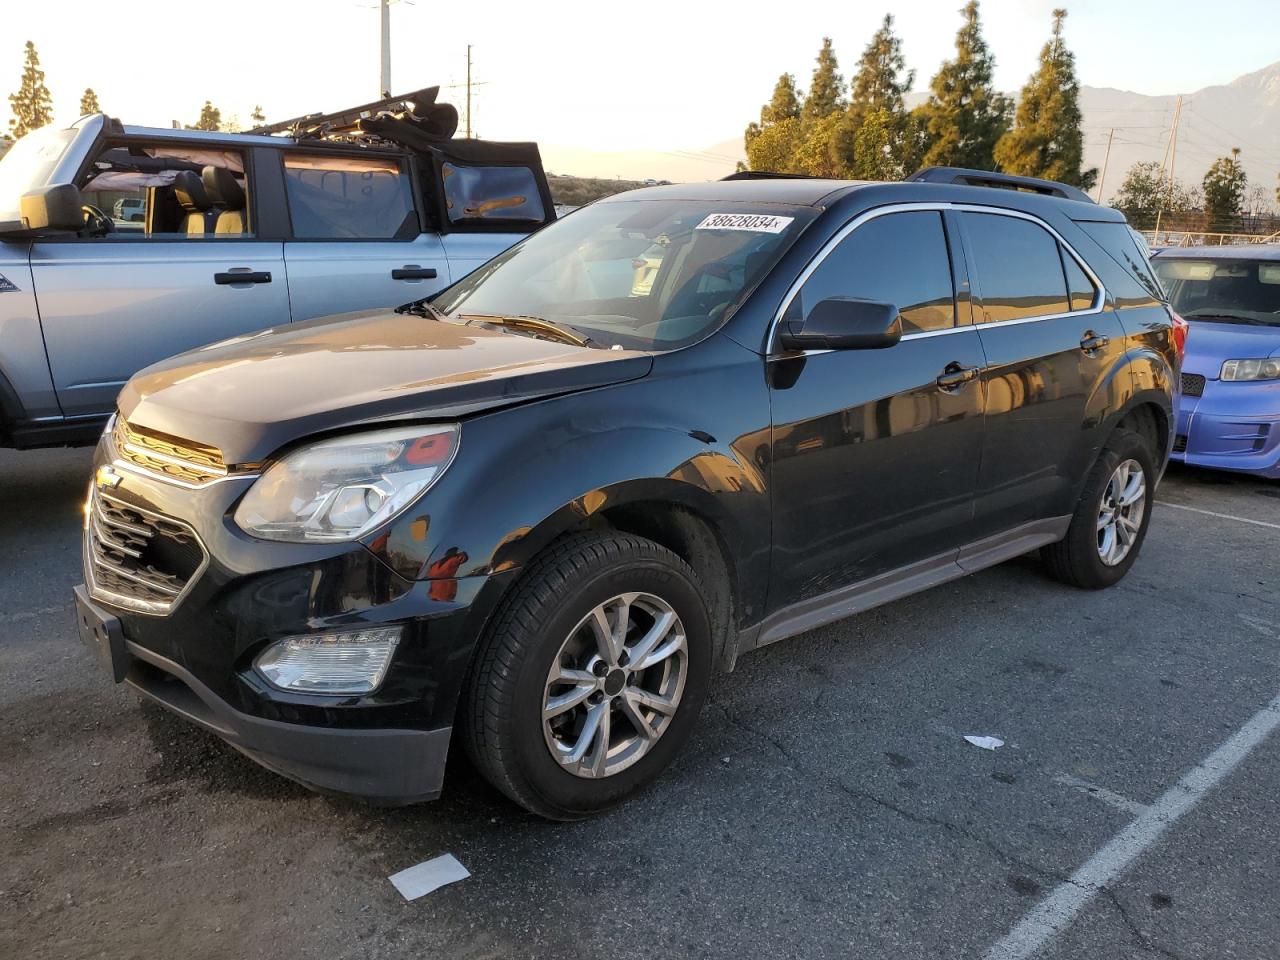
pixel 1145 942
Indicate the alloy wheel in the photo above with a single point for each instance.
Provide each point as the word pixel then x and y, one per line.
pixel 1124 502
pixel 615 685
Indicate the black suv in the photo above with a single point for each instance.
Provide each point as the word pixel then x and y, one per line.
pixel 684 422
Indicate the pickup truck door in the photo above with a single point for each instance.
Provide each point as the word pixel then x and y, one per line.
pixel 357 240
pixel 113 304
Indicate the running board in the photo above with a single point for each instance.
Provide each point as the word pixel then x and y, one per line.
pixel 896 584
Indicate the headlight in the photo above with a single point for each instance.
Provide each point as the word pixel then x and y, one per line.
pixel 1264 369
pixel 348 662
pixel 341 489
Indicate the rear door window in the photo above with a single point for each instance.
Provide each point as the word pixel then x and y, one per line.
pixel 349 198
pixel 1018 267
pixel 899 258
pixel 1079 287
pixel 474 194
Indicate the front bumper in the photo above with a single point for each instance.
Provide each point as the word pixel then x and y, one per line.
pixel 1232 426
pixel 195 656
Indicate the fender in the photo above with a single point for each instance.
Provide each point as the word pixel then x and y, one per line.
pixel 643 441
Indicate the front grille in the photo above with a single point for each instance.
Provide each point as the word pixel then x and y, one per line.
pixel 166 457
pixel 1180 443
pixel 135 558
pixel 1192 385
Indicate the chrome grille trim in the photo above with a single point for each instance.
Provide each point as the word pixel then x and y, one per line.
pixel 184 463
pixel 109 578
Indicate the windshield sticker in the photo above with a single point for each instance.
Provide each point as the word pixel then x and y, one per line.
pixel 5 285
pixel 753 222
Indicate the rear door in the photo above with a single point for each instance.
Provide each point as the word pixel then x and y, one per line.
pixel 875 452
pixel 1052 345
pixel 113 304
pixel 357 239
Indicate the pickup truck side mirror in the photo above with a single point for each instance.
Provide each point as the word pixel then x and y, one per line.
pixel 844 323
pixel 51 210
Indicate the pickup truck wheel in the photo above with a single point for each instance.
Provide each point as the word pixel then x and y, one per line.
pixel 590 677
pixel 1111 517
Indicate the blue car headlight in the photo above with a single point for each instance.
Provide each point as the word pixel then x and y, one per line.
pixel 1266 368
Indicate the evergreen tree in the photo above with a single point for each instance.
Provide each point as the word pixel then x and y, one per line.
pixel 826 89
pixel 210 118
pixel 880 83
pixel 32 105
pixel 1046 140
pixel 89 103
pixel 771 143
pixel 825 148
pixel 258 117
pixel 1224 186
pixel 965 115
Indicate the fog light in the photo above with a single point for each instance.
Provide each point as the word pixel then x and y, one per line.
pixel 352 661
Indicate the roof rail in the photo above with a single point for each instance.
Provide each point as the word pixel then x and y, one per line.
pixel 1004 181
pixel 767 175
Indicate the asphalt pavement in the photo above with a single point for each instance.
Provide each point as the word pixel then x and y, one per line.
pixel 828 805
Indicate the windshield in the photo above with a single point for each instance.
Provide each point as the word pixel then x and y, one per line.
pixel 641 274
pixel 28 164
pixel 1223 291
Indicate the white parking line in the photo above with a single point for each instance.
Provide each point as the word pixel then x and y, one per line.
pixel 1055 912
pixel 1223 516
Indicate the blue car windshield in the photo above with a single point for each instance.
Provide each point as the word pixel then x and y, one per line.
pixel 1223 291
pixel 641 274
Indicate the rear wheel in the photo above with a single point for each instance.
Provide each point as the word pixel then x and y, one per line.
pixel 590 677
pixel 1111 518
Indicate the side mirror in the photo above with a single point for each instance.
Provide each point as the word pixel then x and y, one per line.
pixel 844 323
pixel 52 210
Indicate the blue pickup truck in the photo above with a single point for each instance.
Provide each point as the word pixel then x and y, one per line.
pixel 123 245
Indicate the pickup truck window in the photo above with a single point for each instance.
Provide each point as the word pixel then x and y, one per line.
pixel 474 193
pixel 349 198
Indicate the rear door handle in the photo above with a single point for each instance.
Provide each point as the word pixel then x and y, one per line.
pixel 411 271
pixel 1093 342
pixel 242 275
pixel 955 376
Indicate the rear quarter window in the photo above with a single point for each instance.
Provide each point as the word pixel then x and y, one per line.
pixel 1124 267
pixel 475 194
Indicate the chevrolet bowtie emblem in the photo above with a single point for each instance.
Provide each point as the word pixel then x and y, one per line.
pixel 107 477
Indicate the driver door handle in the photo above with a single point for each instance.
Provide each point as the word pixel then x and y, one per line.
pixel 955 376
pixel 411 271
pixel 242 275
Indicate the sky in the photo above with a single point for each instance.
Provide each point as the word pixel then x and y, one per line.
pixel 668 77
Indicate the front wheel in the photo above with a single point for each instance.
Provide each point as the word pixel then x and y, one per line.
pixel 1111 518
pixel 590 677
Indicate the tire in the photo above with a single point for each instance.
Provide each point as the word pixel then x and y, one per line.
pixel 1082 558
pixel 549 621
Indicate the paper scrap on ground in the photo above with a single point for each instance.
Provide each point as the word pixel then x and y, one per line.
pixel 986 743
pixel 417 881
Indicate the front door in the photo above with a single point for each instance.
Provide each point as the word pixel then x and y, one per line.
pixel 156 282
pixel 875 452
pixel 357 241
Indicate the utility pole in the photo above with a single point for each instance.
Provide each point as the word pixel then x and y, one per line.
pixel 1105 161
pixel 384 80
pixel 468 91
pixel 1172 152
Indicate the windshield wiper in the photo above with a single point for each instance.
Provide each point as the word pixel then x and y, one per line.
pixel 1229 317
pixel 532 325
pixel 422 308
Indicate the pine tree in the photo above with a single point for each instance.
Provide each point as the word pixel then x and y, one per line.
pixel 89 103
pixel 826 89
pixel 771 143
pixel 1224 186
pixel 880 83
pixel 210 118
pixel 258 117
pixel 965 115
pixel 32 105
pixel 1046 140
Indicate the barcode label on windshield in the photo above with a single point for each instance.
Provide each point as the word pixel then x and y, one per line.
pixel 754 222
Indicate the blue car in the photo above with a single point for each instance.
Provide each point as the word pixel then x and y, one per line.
pixel 1229 416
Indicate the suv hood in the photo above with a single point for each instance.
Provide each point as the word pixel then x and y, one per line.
pixel 251 395
pixel 1210 343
